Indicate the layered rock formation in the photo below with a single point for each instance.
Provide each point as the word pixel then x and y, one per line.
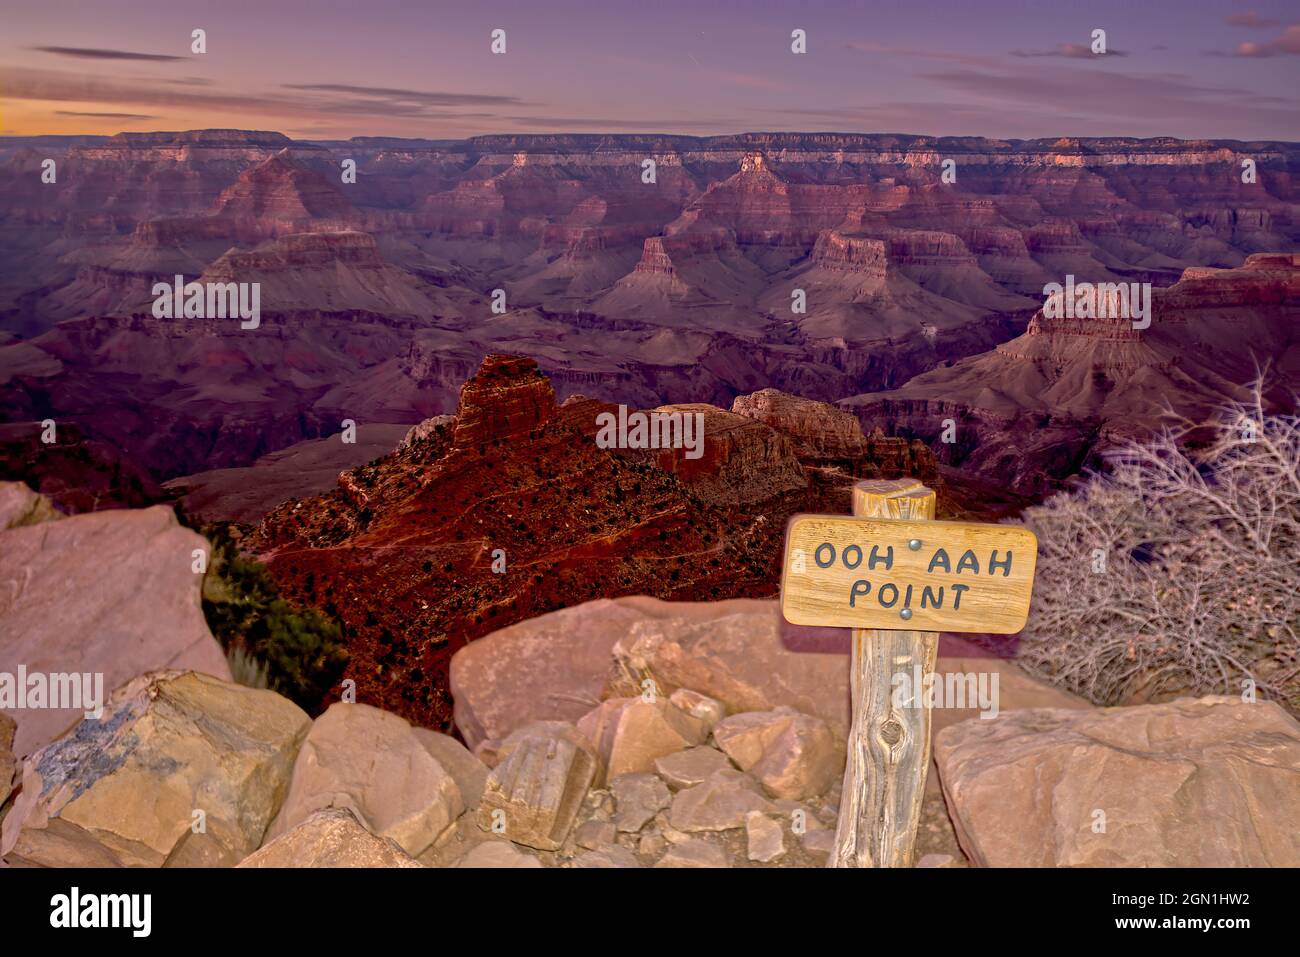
pixel 1037 409
pixel 514 510
pixel 649 293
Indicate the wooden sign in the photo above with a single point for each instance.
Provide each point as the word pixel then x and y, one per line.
pixel 897 578
pixel 917 575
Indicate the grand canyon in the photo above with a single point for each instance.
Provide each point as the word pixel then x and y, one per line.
pixel 358 569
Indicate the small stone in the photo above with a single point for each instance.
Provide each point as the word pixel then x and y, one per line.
pixel 330 838
pixel 497 854
pixel 688 768
pixel 744 737
pixel 629 733
pixel 695 853
pixel 653 845
pixel 706 709
pixel 819 845
pixel 937 860
pixel 793 755
pixel 594 834
pixel 638 797
pixel 719 803
pixel 765 842
pixel 612 856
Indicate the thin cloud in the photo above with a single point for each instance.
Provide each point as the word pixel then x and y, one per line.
pixel 409 96
pixel 1251 20
pixel 91 53
pixel 107 116
pixel 1117 103
pixel 1288 44
pixel 880 49
pixel 558 123
pixel 20 84
pixel 1071 51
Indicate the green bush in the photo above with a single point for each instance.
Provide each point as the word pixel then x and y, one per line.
pixel 301 651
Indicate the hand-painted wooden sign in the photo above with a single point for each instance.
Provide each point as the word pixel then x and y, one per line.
pixel 897 578
pixel 906 574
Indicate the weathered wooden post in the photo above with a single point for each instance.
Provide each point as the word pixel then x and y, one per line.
pixel 891 564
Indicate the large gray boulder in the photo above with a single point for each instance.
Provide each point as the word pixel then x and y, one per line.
pixel 1213 782
pixel 181 770
pixel 112 593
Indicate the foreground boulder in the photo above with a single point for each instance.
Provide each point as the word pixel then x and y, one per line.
pixel 551 667
pixel 1190 783
pixel 8 763
pixel 629 734
pixel 720 803
pixel 181 770
pixel 20 506
pixel 376 765
pixel 330 838
pixel 793 755
pixel 709 658
pixel 533 796
pixel 108 592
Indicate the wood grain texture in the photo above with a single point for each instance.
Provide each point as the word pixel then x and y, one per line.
pixel 888 748
pixel 857 573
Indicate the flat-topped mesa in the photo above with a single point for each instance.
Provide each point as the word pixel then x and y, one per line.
pixel 297 251
pixel 215 138
pixel 1113 329
pixel 827 436
pixel 1110 314
pixel 170 147
pixel 820 430
pixel 928 247
pixel 1263 279
pixel 834 250
pixel 507 397
pixel 742 462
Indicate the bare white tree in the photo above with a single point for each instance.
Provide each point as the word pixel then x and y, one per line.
pixel 1178 572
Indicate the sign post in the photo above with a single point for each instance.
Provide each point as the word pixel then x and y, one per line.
pixel 891 564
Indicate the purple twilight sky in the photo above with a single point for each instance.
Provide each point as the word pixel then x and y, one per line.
pixel 1183 68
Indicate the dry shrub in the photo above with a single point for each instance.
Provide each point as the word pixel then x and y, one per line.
pixel 1201 545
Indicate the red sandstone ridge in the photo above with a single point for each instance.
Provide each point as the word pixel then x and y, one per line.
pixel 507 399
pixel 822 431
pixel 402 551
